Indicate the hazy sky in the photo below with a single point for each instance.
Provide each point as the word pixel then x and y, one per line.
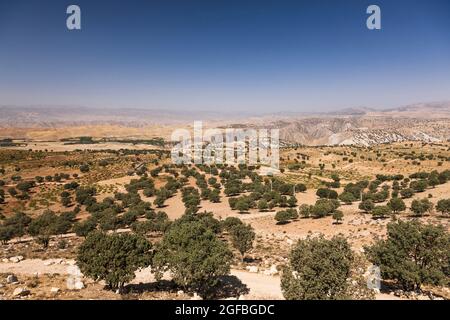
pixel 224 54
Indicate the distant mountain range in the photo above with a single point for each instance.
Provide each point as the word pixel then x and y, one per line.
pixel 363 126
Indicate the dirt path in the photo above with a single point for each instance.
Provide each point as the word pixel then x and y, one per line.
pixel 260 286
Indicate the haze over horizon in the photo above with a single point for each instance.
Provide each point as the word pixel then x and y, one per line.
pixel 225 56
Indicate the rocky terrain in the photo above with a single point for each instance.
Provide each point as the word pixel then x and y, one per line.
pixel 354 126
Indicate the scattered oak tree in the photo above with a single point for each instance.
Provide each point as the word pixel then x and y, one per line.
pixel 113 258
pixel 413 254
pixel 318 270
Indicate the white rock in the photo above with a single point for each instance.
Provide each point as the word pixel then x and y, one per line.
pixel 54 290
pixel 71 262
pixel 196 297
pixel 74 283
pixel 48 263
pixel 74 271
pixel 253 269
pixel 16 259
pixel 11 279
pixel 4 260
pixel 21 292
pixel 289 241
pixel 272 271
pixel 180 292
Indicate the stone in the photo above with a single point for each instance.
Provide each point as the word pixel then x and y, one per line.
pixel 48 263
pixel 272 271
pixel 16 259
pixel 196 297
pixel 12 279
pixel 55 290
pixel 253 269
pixel 71 262
pixel 74 283
pixel 180 292
pixel 4 260
pixel 21 292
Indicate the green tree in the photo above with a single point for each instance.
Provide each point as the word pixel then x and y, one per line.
pixel 318 269
pixel 413 254
pixel 282 217
pixel 366 205
pixel 397 205
pixel 6 234
pixel 242 237
pixel 194 255
pixel 262 205
pixel 407 193
pixel 420 206
pixel 347 198
pixel 113 258
pixel 338 216
pixel 82 229
pixel 305 210
pixel 381 211
pixel 443 206
pixel 242 205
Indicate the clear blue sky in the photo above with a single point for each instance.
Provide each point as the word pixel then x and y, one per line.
pixel 251 55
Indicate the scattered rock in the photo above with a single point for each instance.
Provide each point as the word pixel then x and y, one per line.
pixel 196 297
pixel 12 279
pixel 71 262
pixel 4 260
pixel 74 284
pixel 253 269
pixel 16 259
pixel 21 292
pixel 55 290
pixel 272 271
pixel 180 292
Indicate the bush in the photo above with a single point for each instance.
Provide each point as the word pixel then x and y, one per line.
pixel 194 255
pixel 413 254
pixel 113 258
pixel 318 270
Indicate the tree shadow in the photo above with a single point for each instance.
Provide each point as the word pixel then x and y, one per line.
pixel 230 286
pixel 161 285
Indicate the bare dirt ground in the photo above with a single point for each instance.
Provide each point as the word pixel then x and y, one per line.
pixel 53 273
